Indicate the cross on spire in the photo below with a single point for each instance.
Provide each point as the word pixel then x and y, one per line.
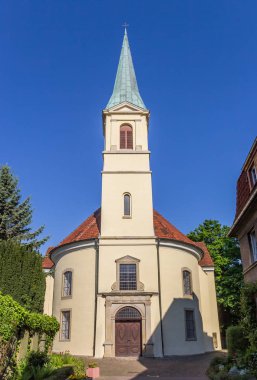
pixel 125 25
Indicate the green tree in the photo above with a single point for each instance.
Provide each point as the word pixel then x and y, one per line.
pixel 16 216
pixel 21 274
pixel 225 253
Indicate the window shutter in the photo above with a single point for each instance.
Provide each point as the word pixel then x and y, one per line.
pixel 129 140
pixel 126 137
pixel 122 139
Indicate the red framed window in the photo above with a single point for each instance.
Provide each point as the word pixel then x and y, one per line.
pixel 126 137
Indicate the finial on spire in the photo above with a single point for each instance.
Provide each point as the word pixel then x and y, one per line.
pixel 125 25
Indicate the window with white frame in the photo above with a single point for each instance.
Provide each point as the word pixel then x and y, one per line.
pixel 253 174
pixel 67 283
pixel 65 325
pixel 187 283
pixel 127 204
pixel 128 277
pixel 190 325
pixel 253 245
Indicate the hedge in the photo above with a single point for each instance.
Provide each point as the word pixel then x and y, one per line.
pixel 15 321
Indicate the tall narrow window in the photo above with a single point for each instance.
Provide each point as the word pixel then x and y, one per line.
pixel 190 325
pixel 128 277
pixel 65 325
pixel 126 137
pixel 187 283
pixel 67 283
pixel 253 245
pixel 127 205
pixel 253 174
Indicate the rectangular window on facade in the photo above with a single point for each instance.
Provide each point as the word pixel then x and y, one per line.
pixel 65 325
pixel 67 283
pixel 253 174
pixel 253 245
pixel 128 277
pixel 190 325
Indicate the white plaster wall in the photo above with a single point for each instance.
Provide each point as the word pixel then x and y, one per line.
pixel 100 330
pixel 172 260
pixel 48 302
pixel 140 187
pixel 144 250
pixel 156 326
pixel 82 302
pixel 209 309
pixel 126 161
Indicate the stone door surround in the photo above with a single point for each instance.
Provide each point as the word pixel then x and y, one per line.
pixel 116 302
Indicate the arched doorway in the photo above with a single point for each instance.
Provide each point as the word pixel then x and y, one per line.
pixel 128 332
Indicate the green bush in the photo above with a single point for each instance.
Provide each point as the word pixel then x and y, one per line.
pixel 60 360
pixel 37 359
pixel 236 340
pixel 15 320
pixel 248 313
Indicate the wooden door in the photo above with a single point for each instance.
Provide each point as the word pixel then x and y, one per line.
pixel 127 338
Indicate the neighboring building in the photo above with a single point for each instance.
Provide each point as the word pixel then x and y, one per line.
pixel 126 281
pixel 245 223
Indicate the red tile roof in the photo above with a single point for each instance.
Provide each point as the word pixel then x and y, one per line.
pixel 47 262
pixel 206 260
pixel 91 227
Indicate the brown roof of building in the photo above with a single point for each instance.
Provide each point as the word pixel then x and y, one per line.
pixel 47 262
pixel 244 189
pixel 91 227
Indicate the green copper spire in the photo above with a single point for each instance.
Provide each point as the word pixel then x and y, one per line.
pixel 125 87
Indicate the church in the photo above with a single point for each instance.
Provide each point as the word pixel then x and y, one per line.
pixel 126 282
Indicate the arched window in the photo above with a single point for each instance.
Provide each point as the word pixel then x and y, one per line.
pixel 187 282
pixel 126 137
pixel 67 283
pixel 128 313
pixel 127 204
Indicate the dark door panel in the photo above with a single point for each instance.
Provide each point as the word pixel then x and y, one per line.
pixel 128 338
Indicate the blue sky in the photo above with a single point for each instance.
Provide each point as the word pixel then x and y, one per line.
pixel 196 66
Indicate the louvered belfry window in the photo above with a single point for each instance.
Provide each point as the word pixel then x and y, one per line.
pixel 126 137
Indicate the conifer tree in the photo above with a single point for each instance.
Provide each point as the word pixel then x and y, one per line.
pixel 16 215
pixel 21 274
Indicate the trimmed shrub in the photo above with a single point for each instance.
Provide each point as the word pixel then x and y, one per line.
pixel 236 340
pixel 37 359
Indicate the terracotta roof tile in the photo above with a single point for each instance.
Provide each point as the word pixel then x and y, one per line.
pixel 206 260
pixel 91 229
pixel 165 230
pixel 47 262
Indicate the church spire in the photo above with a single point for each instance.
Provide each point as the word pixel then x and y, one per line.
pixel 125 87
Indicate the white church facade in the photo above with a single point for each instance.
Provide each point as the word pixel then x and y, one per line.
pixel 126 281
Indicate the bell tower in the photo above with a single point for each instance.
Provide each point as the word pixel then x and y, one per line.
pixel 127 207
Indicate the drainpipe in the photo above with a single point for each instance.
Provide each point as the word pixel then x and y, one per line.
pixel 96 289
pixel 159 291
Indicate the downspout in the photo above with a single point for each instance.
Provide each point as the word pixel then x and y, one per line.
pixel 159 292
pixel 96 290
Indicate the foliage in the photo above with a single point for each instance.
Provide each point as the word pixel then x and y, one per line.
pixel 36 373
pixel 16 216
pixel 225 253
pixel 21 275
pixel 37 359
pixel 60 360
pixel 219 370
pixel 236 340
pixel 249 312
pixel 15 320
pixel 92 365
